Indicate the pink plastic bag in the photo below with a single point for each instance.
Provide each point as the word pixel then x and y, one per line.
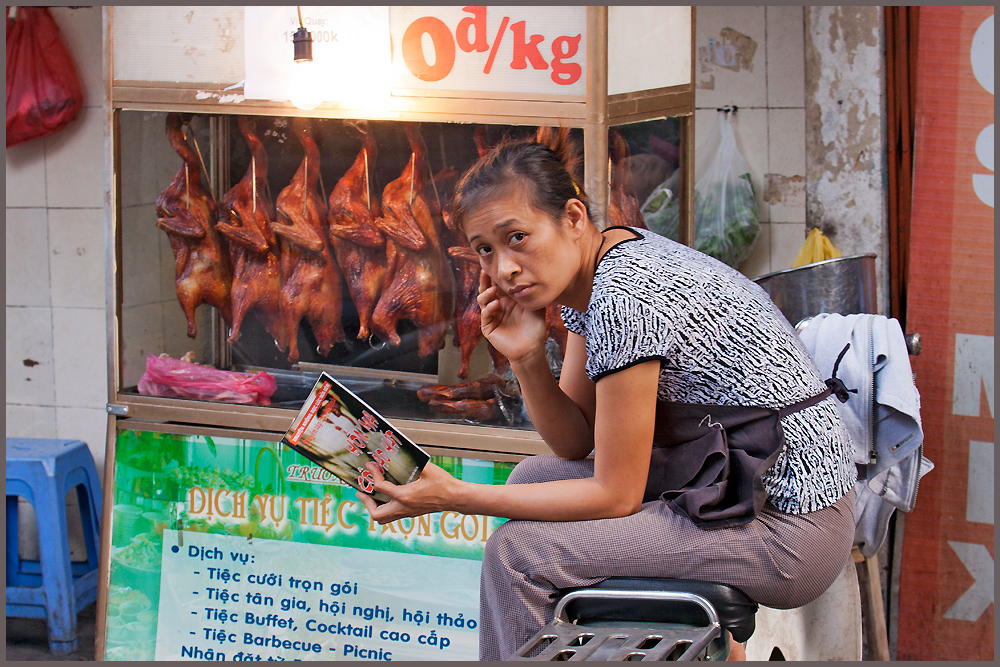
pixel 175 378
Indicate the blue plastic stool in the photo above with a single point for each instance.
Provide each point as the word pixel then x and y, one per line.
pixel 53 588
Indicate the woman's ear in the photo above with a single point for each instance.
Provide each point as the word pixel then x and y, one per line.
pixel 576 214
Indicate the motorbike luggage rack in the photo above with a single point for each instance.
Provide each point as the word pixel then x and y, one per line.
pixel 613 641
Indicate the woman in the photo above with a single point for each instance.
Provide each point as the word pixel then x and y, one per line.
pixel 653 324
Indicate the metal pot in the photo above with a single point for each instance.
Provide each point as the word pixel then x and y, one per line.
pixel 844 285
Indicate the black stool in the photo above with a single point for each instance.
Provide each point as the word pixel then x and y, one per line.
pixel 644 619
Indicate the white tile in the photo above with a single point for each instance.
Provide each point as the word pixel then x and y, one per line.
pixel 27 232
pixel 26 174
pixel 787 145
pixel 759 261
pixel 168 268
pixel 785 197
pixel 786 76
pixel 27 531
pixel 784 185
pixel 750 128
pixel 30 421
pixel 148 163
pixel 142 335
pixel 76 248
pixel 160 163
pixel 733 69
pixel 74 162
pixel 89 425
pixel 83 36
pixel 786 241
pixel 30 376
pixel 131 166
pixel 142 270
pixel 80 350
pixel 704 122
pixel 74 529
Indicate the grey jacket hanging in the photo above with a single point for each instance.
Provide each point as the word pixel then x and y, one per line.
pixel 882 416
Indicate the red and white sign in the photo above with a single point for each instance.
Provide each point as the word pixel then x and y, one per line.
pixel 946 590
pixel 530 50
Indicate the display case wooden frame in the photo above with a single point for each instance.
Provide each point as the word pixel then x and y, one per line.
pixel 595 113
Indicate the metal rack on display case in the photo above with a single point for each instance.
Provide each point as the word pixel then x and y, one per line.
pixel 211 474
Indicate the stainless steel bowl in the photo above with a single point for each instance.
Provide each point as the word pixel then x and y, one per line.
pixel 844 285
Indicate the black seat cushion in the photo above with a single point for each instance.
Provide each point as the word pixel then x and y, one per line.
pixel 736 611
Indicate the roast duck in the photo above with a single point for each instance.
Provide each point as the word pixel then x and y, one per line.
pixel 310 278
pixel 358 244
pixel 245 219
pixel 186 212
pixel 419 285
pixel 477 399
pixel 466 269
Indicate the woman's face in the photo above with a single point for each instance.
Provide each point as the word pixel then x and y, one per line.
pixel 527 253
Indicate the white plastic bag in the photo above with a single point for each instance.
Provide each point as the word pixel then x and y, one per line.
pixel 726 220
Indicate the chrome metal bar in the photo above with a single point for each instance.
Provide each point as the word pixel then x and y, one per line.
pixel 678 596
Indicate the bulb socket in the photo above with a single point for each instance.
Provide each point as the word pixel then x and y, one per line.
pixel 302 42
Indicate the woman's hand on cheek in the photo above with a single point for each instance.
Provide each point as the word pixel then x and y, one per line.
pixel 510 328
pixel 431 492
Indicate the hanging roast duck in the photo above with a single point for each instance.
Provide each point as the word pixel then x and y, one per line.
pixel 358 244
pixel 310 278
pixel 186 212
pixel 245 219
pixel 419 284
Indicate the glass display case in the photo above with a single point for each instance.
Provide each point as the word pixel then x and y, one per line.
pixel 299 245
pixel 249 235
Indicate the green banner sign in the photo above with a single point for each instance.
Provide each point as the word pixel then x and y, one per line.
pixel 234 549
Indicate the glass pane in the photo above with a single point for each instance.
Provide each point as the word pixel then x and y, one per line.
pixel 646 167
pixel 325 246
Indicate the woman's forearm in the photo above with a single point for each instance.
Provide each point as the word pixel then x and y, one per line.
pixel 624 433
pixel 561 500
pixel 554 415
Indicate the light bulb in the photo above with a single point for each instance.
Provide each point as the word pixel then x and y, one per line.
pixel 304 89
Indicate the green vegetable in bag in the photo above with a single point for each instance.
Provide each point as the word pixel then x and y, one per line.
pixel 726 218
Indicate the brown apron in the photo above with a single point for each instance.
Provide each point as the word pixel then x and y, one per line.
pixel 708 460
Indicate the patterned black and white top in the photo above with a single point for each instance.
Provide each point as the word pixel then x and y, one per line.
pixel 720 340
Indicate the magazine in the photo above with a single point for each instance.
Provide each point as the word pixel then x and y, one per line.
pixel 340 432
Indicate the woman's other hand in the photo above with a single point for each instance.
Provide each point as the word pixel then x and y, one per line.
pixel 514 331
pixel 433 491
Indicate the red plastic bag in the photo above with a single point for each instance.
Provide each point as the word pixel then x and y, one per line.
pixel 176 378
pixel 43 91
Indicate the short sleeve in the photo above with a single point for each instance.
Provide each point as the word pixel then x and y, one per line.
pixel 623 331
pixel 573 319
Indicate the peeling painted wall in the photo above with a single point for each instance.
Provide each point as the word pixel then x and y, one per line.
pixel 845 168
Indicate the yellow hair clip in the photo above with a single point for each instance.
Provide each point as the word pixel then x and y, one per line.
pixel 576 189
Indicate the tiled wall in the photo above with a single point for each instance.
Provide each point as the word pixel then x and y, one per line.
pixel 56 322
pixel 56 356
pixel 753 58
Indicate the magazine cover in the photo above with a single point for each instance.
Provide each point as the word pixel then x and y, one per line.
pixel 340 432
